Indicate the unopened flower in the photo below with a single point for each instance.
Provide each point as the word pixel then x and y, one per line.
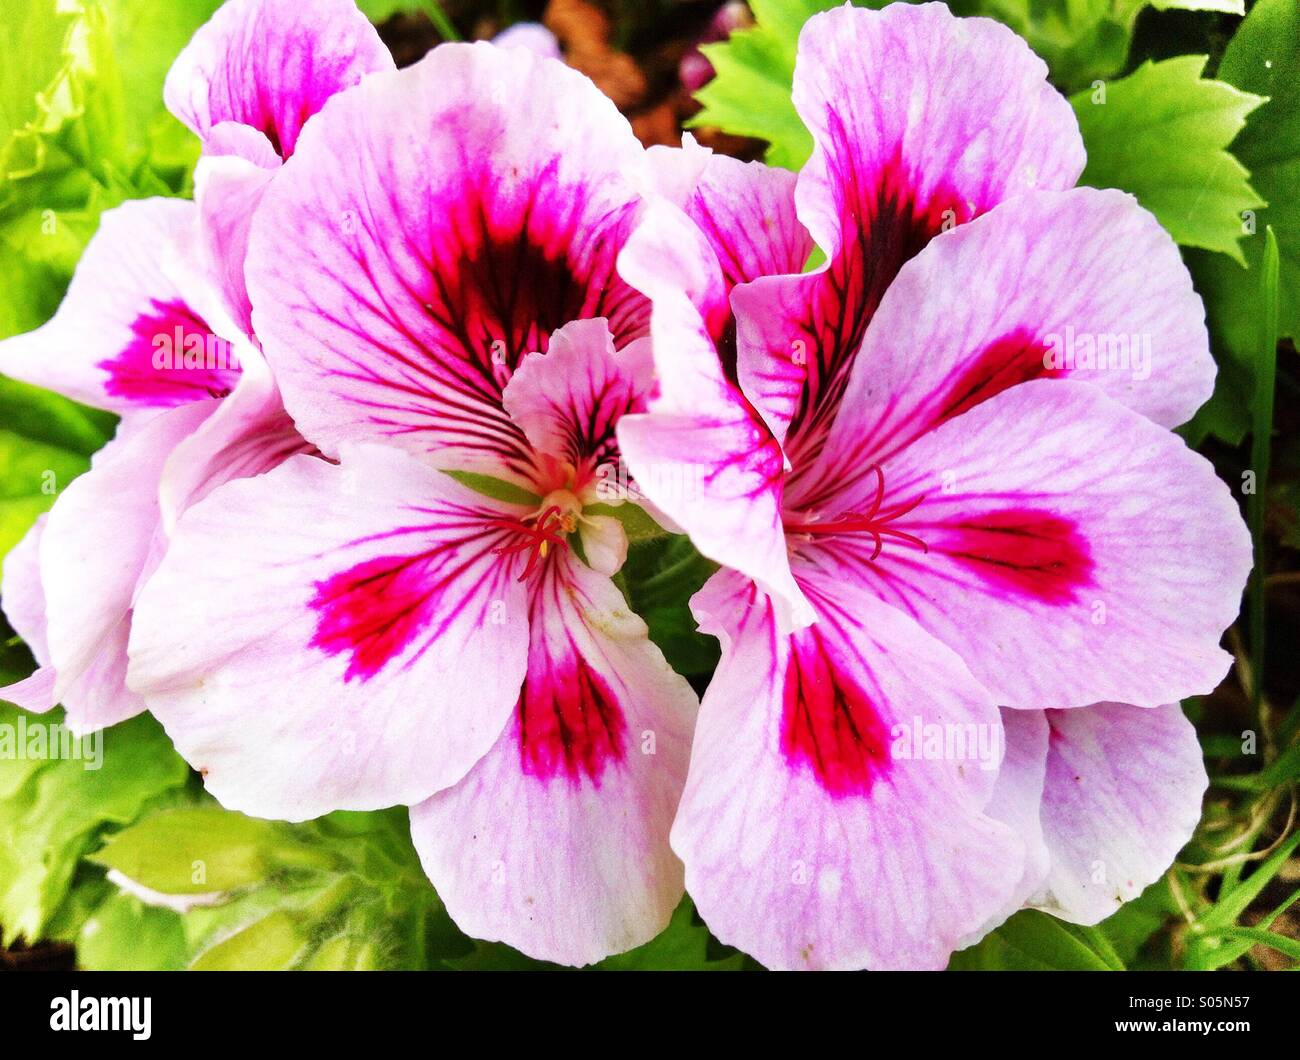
pixel 927 514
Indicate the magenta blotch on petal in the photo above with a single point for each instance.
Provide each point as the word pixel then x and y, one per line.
pixel 399 318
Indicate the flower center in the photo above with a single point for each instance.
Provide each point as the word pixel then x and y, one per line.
pixel 536 534
pixel 874 522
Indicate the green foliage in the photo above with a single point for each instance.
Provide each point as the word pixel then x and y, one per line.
pixel 1215 940
pixel 658 580
pixel 1268 300
pixel 1035 942
pixel 1263 57
pixel 54 810
pixel 82 129
pixel 380 10
pixel 750 94
pixel 1081 40
pixel 1162 133
pixel 342 892
pixel 124 935
pixel 203 849
pixel 45 442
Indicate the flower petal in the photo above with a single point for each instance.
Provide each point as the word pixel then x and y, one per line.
pixel 228 190
pixel 22 595
pixel 920 121
pixel 23 600
pixel 1072 550
pixel 569 400
pixel 330 637
pixel 271 65
pixel 127 337
pixel 102 540
pixel 1016 799
pixel 34 693
pixel 249 433
pixel 604 543
pixel 701 454
pixel 812 838
pixel 1047 281
pixel 1122 797
pixel 746 211
pixel 557 841
pixel 436 225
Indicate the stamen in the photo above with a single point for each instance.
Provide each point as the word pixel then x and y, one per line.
pixel 546 530
pixel 874 522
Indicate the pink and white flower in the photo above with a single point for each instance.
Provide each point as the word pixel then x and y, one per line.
pixel 929 510
pixel 141 335
pixel 154 327
pixel 428 616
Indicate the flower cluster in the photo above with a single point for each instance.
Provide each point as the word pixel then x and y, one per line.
pixel 352 547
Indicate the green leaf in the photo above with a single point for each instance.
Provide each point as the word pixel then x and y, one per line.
pixel 53 810
pixel 1131 926
pixel 659 579
pixel 637 523
pixel 382 10
pixel 497 489
pixel 1213 951
pixel 1263 57
pixel 67 134
pixel 28 474
pixel 1259 937
pixel 30 100
pixel 1082 41
pixel 754 70
pixel 1261 448
pixel 1034 941
pixel 51 420
pixel 146 36
pixel 273 942
pixel 82 129
pixel 1162 133
pixel 1230 316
